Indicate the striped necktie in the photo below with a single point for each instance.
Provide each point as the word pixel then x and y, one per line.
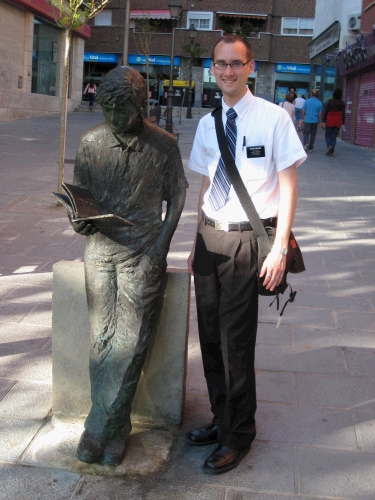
pixel 221 183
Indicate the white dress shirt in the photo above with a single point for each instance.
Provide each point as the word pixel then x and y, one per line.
pixel 259 123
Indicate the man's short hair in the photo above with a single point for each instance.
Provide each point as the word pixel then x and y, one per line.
pixel 289 98
pixel 120 84
pixel 233 39
pixel 337 94
pixel 314 93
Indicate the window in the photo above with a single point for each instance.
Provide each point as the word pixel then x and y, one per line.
pixel 104 18
pixel 299 26
pixel 201 20
pixel 46 43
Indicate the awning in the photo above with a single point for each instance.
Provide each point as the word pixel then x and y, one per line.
pixel 243 14
pixel 150 14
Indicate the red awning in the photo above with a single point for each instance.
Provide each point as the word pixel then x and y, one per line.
pixel 150 14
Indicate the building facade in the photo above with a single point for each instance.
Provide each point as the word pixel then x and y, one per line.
pixel 31 64
pixel 279 33
pixel 356 65
pixel 336 25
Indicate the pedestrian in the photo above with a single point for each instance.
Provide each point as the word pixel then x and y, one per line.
pixel 289 106
pixel 224 258
pixel 90 90
pixel 311 118
pixel 298 103
pixel 293 92
pixel 334 119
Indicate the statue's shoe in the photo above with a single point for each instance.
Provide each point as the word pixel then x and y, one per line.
pixel 90 448
pixel 113 453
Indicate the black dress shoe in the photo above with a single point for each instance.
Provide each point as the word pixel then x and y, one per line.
pixel 202 436
pixel 113 453
pixel 90 448
pixel 223 459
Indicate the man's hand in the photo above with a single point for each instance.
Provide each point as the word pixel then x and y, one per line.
pixel 84 228
pixel 273 269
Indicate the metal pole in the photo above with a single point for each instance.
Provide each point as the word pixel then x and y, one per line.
pixel 125 47
pixel 190 90
pixel 170 94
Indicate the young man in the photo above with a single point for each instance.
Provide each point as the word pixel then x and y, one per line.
pixel 312 117
pixel 130 166
pixel 224 259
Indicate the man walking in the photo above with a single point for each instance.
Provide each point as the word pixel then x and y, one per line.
pixel 334 118
pixel 224 259
pixel 312 117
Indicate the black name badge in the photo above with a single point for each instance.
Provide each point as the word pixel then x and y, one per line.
pixel 255 152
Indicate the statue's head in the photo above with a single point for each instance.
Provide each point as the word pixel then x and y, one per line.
pixel 123 95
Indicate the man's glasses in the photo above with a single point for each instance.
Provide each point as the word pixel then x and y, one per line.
pixel 233 65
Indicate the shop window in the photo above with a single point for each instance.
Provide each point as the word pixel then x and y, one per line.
pixel 299 26
pixel 201 20
pixel 104 18
pixel 45 60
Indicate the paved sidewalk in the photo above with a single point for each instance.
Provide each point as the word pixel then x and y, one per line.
pixel 315 374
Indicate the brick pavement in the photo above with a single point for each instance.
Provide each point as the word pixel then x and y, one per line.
pixel 315 374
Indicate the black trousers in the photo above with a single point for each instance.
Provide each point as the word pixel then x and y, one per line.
pixel 225 275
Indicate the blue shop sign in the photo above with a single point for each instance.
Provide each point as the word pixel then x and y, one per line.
pixel 155 60
pixel 207 63
pixel 302 69
pixel 102 58
pixel 330 70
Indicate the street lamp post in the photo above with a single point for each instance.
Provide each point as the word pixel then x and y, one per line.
pixel 175 10
pixel 192 34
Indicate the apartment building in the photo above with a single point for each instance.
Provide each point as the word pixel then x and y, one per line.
pixel 278 31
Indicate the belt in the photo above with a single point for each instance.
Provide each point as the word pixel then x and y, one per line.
pixel 237 226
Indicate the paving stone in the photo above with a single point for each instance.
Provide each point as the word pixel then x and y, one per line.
pixel 16 332
pixel 5 385
pixel 299 359
pixel 299 316
pixel 26 483
pixel 29 295
pixel 5 288
pixel 268 334
pixel 12 312
pixel 318 338
pixel 306 425
pixel 366 427
pixel 356 320
pixel 94 488
pixel 37 279
pixel 35 365
pixel 328 301
pixel 266 467
pixel 253 495
pixel 336 473
pixel 15 435
pixel 335 391
pixel 274 386
pixel 40 315
pixel 27 400
pixel 360 362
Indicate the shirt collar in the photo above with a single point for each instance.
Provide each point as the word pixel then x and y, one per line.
pixel 242 106
pixel 130 142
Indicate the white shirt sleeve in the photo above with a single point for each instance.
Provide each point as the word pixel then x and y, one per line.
pixel 287 148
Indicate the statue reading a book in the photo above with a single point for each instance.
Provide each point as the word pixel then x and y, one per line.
pixel 130 167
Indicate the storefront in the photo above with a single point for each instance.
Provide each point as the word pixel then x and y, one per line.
pixel 289 76
pixel 357 66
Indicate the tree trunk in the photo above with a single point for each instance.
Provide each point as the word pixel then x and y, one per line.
pixel 148 87
pixel 64 108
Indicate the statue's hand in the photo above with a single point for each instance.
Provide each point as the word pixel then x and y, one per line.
pixel 84 228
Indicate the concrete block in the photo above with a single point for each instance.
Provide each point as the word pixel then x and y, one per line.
pixel 161 388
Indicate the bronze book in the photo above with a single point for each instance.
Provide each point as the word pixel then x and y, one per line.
pixel 82 206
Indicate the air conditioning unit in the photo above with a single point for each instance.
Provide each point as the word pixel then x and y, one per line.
pixel 354 22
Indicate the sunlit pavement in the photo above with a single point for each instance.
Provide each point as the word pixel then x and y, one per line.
pixel 315 373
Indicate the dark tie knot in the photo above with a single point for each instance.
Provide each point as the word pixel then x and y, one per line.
pixel 231 114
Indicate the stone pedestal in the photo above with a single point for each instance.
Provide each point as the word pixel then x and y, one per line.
pixel 160 393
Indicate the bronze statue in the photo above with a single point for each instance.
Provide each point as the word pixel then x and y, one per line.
pixel 130 166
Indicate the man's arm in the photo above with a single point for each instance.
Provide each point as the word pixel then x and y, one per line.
pixel 274 265
pixel 175 204
pixel 204 187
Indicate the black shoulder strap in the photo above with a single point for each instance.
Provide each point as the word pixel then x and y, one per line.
pixel 239 186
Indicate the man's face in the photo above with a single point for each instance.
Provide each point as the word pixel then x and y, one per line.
pixel 232 82
pixel 121 118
